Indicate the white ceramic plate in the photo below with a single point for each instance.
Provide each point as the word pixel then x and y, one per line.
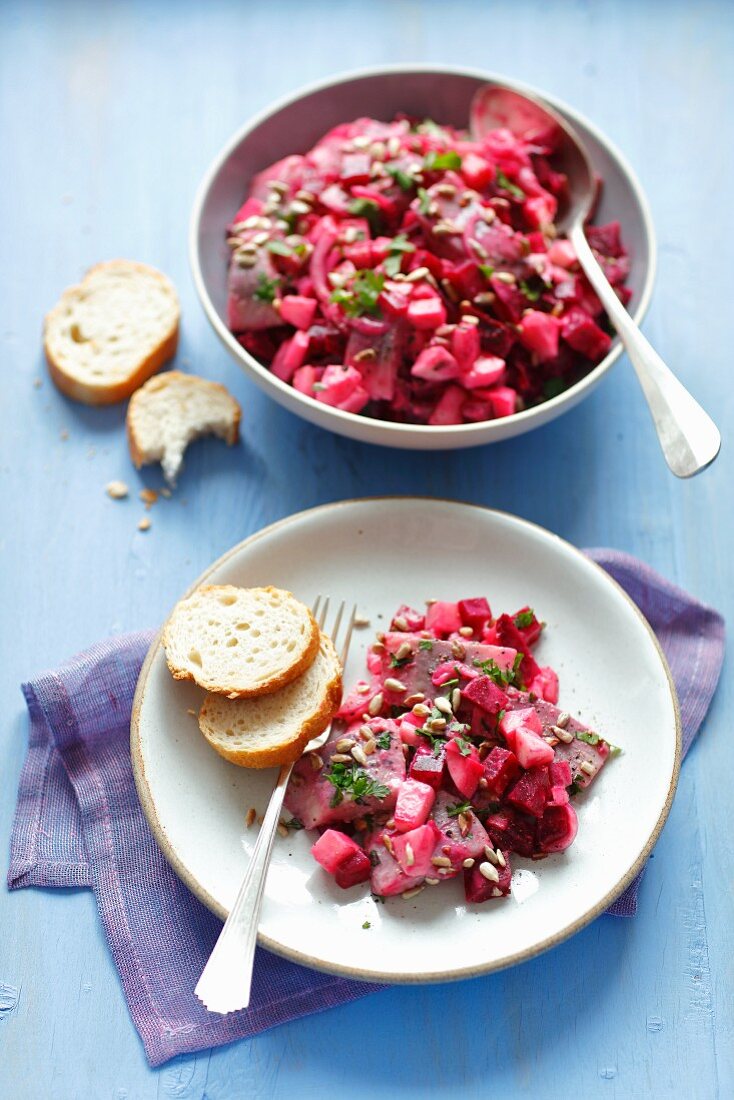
pixel 381 553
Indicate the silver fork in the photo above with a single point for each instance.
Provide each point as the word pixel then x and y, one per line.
pixel 225 982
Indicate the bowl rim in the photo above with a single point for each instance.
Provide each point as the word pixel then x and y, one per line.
pixel 351 422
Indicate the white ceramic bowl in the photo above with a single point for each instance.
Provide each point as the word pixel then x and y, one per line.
pixel 294 125
pixel 381 553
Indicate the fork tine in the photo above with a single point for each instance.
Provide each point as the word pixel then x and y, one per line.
pixel 315 608
pixel 337 623
pixel 323 612
pixel 350 627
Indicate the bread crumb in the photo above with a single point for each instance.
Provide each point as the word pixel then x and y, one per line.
pixel 118 490
pixel 192 712
pixel 144 524
pixel 361 620
pixel 251 816
pixel 37 383
pixel 63 435
pixel 148 497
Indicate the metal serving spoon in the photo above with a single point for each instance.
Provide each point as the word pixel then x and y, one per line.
pixel 689 438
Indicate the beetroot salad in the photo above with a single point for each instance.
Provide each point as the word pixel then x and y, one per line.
pixel 450 759
pixel 409 273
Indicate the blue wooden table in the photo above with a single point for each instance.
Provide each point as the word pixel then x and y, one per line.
pixel 109 114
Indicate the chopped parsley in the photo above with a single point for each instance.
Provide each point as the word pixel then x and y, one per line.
pixel 398 246
pixel 403 179
pixel 366 924
pixel 532 293
pixel 384 741
pixel 614 750
pixel 573 788
pixel 437 742
pixel 425 644
pixel 487 270
pixel 464 746
pixel 266 289
pixel 279 248
pixel 354 782
pixel 424 201
pixel 507 185
pixel 440 162
pixel 362 296
pixel 369 209
pixel 399 662
pixel 294 823
pixel 588 736
pixel 458 808
pixel 524 618
pixel 501 676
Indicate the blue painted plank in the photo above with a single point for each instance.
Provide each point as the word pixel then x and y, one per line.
pixel 111 114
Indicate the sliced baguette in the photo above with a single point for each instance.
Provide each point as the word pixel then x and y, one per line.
pixel 240 642
pixel 275 729
pixel 173 409
pixel 110 333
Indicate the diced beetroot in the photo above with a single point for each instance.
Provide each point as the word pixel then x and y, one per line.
pixel 355 168
pixel 557 829
pixel 530 792
pixel 388 877
pixel 532 628
pixel 606 239
pixel 477 888
pixel 563 254
pixel 503 400
pixel 558 796
pixel 304 379
pixel 408 618
pixel 477 171
pixel 408 724
pixel 435 364
pixel 342 388
pixel 559 773
pixel 501 768
pixel 583 334
pixel 484 693
pixel 520 716
pixel 545 684
pixel 530 749
pixel 592 751
pixel 428 766
pixel 509 635
pixel 355 703
pixel 290 356
pixel 464 765
pixel 357 868
pixel 333 848
pixel 435 661
pixel 443 618
pixel 539 332
pixel 448 407
pixel 488 370
pixel 475 612
pixel 413 804
pixel 298 311
pixel 427 312
pixel 513 830
pixel 540 210
pixel 465 345
pixel 414 849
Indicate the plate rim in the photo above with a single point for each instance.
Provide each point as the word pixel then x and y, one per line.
pixel 355 972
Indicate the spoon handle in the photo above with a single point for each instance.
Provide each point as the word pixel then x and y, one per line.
pixel 225 983
pixel 689 439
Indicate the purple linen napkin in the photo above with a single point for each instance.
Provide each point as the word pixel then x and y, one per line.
pixel 79 823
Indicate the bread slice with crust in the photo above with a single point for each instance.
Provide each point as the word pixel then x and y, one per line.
pixel 275 729
pixel 173 409
pixel 240 642
pixel 110 333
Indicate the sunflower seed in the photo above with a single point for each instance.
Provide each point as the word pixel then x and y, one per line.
pixel 408 894
pixel 341 758
pixel 409 854
pixel 501 859
pixel 394 685
pixel 362 689
pixel 245 259
pixel 456 698
pixel 505 277
pixel 443 705
pixel 359 755
pixel 496 892
pixel 437 724
pixel 466 631
pixel 390 823
pixel 587 768
pixel 282 830
pixel 441 861
pixel 421 710
pixel 458 650
pixel 478 249
pixel 251 815
pixel 365 732
pixel 562 734
pixel 316 761
pixel 417 274
pixel 369 746
pixel 469 862
pixel 400 623
pixel 432 881
pixel 416 697
pixel 490 873
pixel 299 207
pixel 344 744
pixel 388 843
pixel 404 650
pixel 562 720
pixel 446 229
pixel 375 705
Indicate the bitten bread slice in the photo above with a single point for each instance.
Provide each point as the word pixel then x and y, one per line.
pixel 240 642
pixel 110 333
pixel 275 729
pixel 173 409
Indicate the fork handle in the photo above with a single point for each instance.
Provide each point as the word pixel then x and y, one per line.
pixel 226 980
